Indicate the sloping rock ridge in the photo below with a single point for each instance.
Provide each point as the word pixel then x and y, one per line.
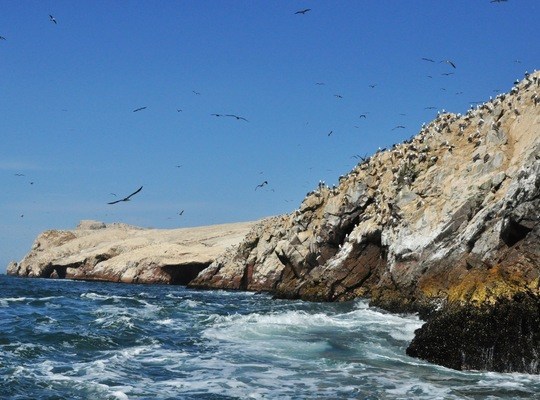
pixel 124 253
pixel 445 224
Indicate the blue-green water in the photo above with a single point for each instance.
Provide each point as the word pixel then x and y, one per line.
pixel 81 340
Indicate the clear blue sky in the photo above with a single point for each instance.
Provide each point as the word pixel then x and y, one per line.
pixel 68 91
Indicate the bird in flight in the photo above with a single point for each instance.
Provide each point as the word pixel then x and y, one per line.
pixel 372 86
pixel 139 109
pixel 230 115
pixel 52 19
pixel 127 198
pixel 197 93
pixel 181 212
pixel 447 73
pixel 319 83
pixel 305 10
pixel 261 185
pixel 2 38
pixel 329 133
pixel 338 96
pixel 18 174
pixel 428 59
pixel 449 63
pixel 362 116
pixel 497 1
pixel 430 108
pixel 398 127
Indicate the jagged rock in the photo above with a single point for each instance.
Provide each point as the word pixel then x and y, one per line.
pixel 446 220
pixel 124 253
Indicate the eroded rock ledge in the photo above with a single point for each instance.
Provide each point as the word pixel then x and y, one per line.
pixel 124 253
pixel 446 224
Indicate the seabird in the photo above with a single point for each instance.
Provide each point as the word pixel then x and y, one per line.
pixel 449 63
pixel 338 96
pixel 195 92
pixel 428 59
pixel 497 1
pixel 139 109
pixel 447 73
pixel 19 174
pixel 261 185
pixel 398 127
pixel 181 212
pixel 372 86
pixel 2 38
pixel 362 116
pixel 236 116
pixel 127 198
pixel 52 19
pixel 319 83
pixel 305 10
pixel 329 133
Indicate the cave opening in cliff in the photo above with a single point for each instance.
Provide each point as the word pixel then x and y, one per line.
pixel 514 232
pixel 183 274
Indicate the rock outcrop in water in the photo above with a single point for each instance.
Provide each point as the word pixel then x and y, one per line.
pixel 446 224
pixel 124 253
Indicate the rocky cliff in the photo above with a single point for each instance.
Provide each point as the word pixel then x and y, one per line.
pixel 124 253
pixel 446 223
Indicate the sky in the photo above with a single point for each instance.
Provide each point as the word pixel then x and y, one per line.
pixel 313 92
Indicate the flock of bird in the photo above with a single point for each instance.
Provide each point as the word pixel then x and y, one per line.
pixel 364 115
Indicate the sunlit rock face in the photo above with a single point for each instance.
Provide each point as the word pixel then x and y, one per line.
pixel 449 218
pixel 124 253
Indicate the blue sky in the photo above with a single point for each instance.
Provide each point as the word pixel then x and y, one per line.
pixel 70 137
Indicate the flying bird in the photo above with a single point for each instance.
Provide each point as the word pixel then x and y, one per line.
pixel 236 116
pixel 52 19
pixel 362 116
pixel 447 73
pixel 497 1
pixel 428 59
pixel 449 63
pixel 19 174
pixel 127 198
pixel 430 108
pixel 2 38
pixel 261 185
pixel 338 96
pixel 372 86
pixel 197 93
pixel 305 10
pixel 319 83
pixel 398 127
pixel 181 212
pixel 329 133
pixel 139 109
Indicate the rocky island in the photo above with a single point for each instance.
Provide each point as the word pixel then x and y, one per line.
pixel 445 224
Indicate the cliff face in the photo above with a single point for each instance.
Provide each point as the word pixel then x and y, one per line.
pixel 445 221
pixel 123 253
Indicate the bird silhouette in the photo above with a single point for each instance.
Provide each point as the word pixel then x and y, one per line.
pixel 52 19
pixel 127 198
pixel 2 38
pixel 449 63
pixel 139 109
pixel 305 10
pixel 261 185
pixel 398 127
pixel 428 59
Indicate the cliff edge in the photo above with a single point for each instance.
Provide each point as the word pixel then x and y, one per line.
pixel 445 224
pixel 124 253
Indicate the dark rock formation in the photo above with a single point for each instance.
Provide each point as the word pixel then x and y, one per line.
pixel 445 224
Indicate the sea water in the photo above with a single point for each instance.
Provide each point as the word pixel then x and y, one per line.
pixel 62 339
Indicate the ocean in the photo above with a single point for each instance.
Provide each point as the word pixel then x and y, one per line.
pixel 62 339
